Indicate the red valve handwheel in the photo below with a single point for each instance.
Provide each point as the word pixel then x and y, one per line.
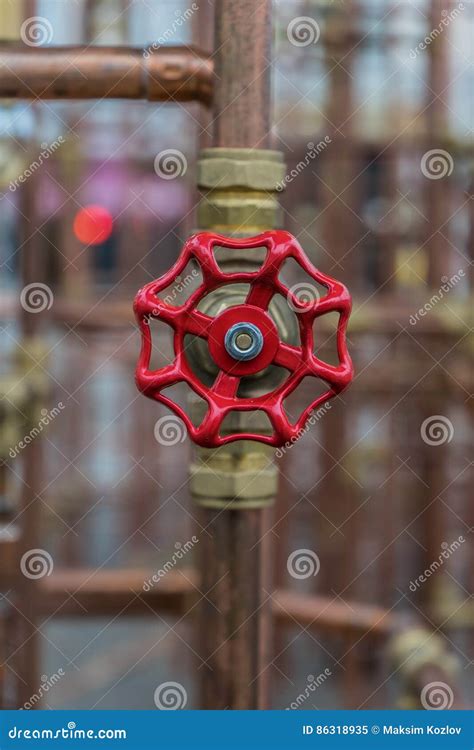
pixel 260 331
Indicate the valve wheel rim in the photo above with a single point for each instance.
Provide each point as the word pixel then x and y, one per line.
pixel 300 361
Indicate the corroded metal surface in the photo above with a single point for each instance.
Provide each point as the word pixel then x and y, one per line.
pixel 168 73
pixel 243 40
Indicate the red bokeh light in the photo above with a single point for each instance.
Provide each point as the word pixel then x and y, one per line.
pixel 93 225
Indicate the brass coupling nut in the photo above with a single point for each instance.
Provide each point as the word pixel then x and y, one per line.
pixel 237 476
pixel 230 484
pixel 240 188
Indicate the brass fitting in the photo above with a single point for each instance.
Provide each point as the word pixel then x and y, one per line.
pixel 240 188
pixel 417 651
pixel 13 404
pixel 238 476
pixel 249 168
pixel 22 394
pixel 30 360
pixel 12 15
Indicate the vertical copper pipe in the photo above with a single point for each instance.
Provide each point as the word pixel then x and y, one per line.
pixel 243 43
pixel 438 211
pixel 341 233
pixel 341 230
pixel 235 617
pixel 28 657
pixel 437 190
pixel 236 556
pixel 470 237
pixel 436 495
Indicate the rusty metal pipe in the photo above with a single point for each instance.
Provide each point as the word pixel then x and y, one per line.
pixel 235 553
pixel 243 43
pixel 169 73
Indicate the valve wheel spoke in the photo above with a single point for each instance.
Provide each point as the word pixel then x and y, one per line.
pixel 197 323
pixel 290 357
pixel 260 295
pixel 226 385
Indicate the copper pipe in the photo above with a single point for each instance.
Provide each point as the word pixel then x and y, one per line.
pixel 235 555
pixel 169 73
pixel 243 44
pixel 438 193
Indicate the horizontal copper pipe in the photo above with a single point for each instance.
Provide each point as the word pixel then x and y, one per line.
pixel 112 591
pixel 168 73
pixel 327 614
